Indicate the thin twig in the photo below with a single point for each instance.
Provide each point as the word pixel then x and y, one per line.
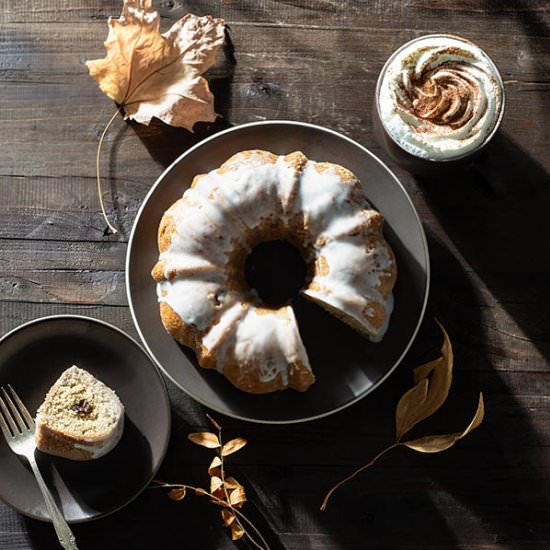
pixel 98 176
pixel 228 500
pixel 357 472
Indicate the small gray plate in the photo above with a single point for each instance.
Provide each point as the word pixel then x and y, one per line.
pixel 347 366
pixel 31 359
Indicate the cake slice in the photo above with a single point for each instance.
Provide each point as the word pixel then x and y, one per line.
pixel 80 419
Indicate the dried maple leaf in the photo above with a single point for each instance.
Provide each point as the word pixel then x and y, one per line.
pixel 159 75
pixel 149 74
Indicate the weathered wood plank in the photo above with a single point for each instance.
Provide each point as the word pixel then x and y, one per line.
pixel 347 13
pixel 70 287
pixel 61 256
pixel 64 208
pixel 13 314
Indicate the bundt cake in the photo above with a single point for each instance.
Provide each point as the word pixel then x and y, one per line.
pixel 255 196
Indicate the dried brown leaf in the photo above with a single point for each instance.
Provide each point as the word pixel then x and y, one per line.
pixel 214 468
pixel 442 375
pixel 228 517
pixel 232 483
pixel 159 75
pixel 406 413
pixel 414 406
pixel 206 439
pixel 233 446
pixel 219 494
pixel 438 443
pixel 237 531
pixel 215 483
pixel 237 496
pixel 178 493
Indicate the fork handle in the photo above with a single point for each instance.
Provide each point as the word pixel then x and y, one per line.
pixel 62 529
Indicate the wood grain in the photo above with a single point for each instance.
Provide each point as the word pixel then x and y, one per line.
pixel 488 230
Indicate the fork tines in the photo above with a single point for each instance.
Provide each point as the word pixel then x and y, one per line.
pixel 15 418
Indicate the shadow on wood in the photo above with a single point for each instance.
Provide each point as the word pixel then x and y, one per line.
pixel 496 214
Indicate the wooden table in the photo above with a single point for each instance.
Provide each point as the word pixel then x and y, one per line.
pixel 488 228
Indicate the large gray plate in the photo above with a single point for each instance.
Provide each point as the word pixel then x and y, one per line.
pixel 347 366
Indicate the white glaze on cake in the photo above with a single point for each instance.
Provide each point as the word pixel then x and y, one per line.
pixel 257 196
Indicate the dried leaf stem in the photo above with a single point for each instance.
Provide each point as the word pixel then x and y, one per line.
pixel 357 472
pixel 98 174
pixel 222 475
pixel 432 383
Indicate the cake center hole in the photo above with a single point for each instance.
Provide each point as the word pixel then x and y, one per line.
pixel 276 270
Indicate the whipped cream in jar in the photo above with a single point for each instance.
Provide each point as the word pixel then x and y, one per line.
pixel 439 98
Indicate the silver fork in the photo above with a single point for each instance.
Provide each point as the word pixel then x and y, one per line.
pixel 18 428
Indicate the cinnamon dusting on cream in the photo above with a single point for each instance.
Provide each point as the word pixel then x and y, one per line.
pixel 440 97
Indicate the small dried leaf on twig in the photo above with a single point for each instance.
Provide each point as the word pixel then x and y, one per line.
pixel 206 439
pixel 228 517
pixel 232 483
pixel 237 531
pixel 438 443
pixel 233 446
pixel 178 493
pixel 215 483
pixel 237 496
pixel 214 423
pixel 225 492
pixel 214 468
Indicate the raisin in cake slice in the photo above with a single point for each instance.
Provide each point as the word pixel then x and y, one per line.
pixel 80 419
